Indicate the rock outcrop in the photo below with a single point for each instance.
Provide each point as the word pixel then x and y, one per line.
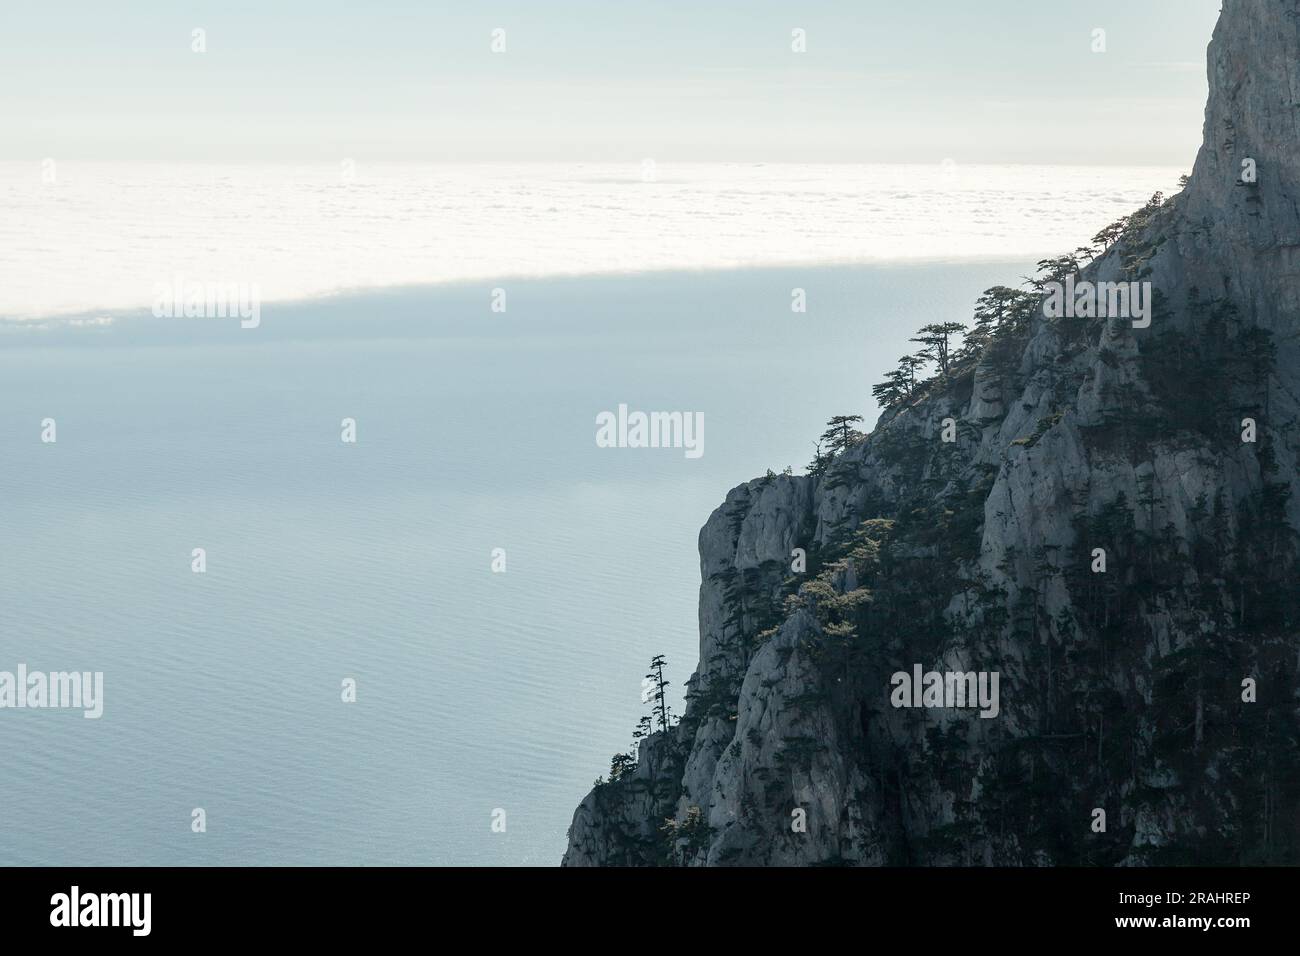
pixel 1101 513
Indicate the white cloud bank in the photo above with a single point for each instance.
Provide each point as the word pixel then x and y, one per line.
pixel 100 237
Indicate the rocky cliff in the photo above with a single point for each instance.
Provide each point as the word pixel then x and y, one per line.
pixel 1101 513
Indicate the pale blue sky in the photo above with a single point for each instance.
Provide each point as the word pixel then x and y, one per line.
pixel 598 80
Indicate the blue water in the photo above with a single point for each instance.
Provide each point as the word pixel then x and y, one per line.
pixel 475 690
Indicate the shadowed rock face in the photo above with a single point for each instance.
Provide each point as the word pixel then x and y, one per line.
pixel 1121 689
pixel 1252 233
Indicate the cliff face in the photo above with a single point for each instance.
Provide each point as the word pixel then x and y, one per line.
pixel 1100 532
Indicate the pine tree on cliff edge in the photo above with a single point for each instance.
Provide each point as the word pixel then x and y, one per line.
pixel 660 703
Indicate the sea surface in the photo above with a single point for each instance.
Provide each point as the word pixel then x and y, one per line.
pixel 477 690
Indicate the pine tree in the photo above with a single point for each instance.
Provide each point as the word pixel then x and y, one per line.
pixel 892 391
pixel 1111 234
pixel 619 765
pixel 899 384
pixel 995 311
pixel 644 728
pixel 660 702
pixel 840 434
pixel 818 463
pixel 936 339
pixel 1055 270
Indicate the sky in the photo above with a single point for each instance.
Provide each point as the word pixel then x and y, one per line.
pixel 998 81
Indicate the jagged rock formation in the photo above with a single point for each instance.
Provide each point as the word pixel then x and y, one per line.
pixel 1120 689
